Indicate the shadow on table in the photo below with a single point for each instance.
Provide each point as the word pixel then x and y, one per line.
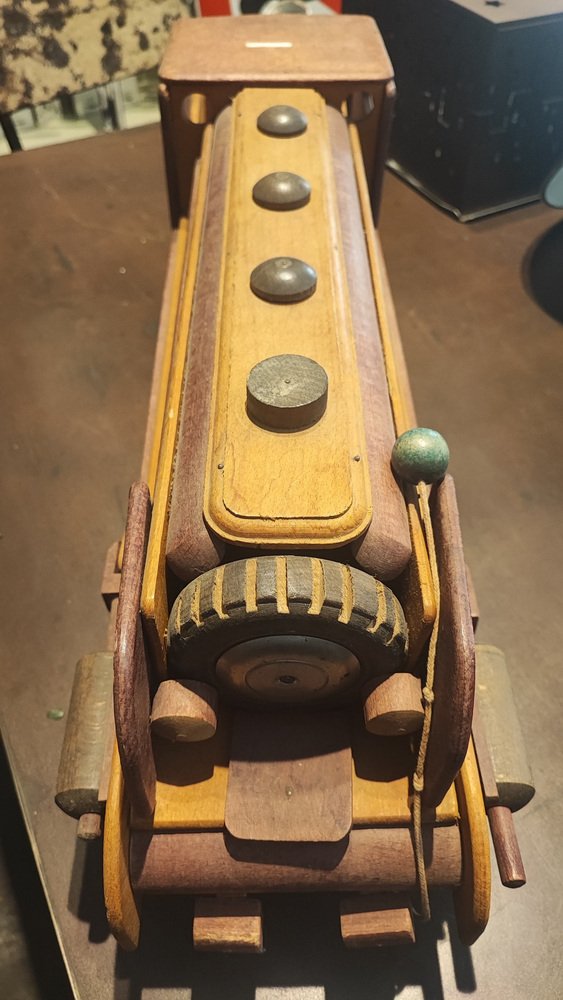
pixel 31 965
pixel 542 271
pixel 86 893
pixel 304 958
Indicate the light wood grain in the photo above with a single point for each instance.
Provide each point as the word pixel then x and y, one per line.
pixel 415 587
pixel 121 907
pixel 319 495
pixel 370 921
pixel 472 898
pixel 381 785
pixel 191 787
pixel 290 777
pixel 376 860
pixel 192 783
pixel 171 299
pixel 232 925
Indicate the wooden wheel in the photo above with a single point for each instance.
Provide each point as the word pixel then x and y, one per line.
pixel 286 630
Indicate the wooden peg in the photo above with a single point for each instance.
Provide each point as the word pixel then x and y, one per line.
pixel 184 711
pixel 503 832
pixel 85 737
pixel 501 724
pixel 230 924
pixel 393 705
pixel 89 826
pixel 507 851
pixel 375 920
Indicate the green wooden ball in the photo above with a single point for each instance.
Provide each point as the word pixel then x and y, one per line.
pixel 420 455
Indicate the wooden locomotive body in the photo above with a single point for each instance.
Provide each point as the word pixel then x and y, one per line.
pixel 294 669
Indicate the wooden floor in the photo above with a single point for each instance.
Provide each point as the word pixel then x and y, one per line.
pixel 85 240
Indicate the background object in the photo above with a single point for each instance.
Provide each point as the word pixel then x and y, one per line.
pixel 48 48
pixel 479 113
pixel 52 49
pixel 79 116
pixel 543 271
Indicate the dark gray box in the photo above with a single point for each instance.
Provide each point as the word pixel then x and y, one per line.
pixel 479 113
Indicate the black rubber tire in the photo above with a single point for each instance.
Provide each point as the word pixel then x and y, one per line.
pixel 286 595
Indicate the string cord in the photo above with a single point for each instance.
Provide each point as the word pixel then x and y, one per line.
pixel 422 491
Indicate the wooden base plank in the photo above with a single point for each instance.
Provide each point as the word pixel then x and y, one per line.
pixel 192 780
pixel 376 920
pixel 376 860
pixel 228 924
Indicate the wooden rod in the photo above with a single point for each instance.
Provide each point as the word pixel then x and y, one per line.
pixel 371 860
pixel 501 824
pixel 89 826
pixel 507 851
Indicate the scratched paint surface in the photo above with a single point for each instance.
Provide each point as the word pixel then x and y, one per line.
pixel 52 46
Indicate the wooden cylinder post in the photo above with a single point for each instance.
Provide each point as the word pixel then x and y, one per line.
pixel 184 711
pixel 502 728
pixel 393 705
pixel 84 746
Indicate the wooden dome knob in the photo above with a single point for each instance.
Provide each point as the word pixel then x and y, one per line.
pixel 393 705
pixel 184 711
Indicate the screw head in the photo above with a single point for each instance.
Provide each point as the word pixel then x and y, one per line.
pixel 420 455
pixel 282 121
pixel 287 392
pixel 284 280
pixel 281 191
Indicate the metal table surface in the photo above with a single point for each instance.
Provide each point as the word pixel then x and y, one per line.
pixel 85 236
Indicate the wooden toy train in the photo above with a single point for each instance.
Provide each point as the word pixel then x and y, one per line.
pixel 294 668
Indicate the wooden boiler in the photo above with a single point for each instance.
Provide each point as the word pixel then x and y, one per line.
pixel 290 702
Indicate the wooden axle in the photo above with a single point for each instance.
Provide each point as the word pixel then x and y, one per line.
pixel 85 739
pixel 502 726
pixel 369 860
